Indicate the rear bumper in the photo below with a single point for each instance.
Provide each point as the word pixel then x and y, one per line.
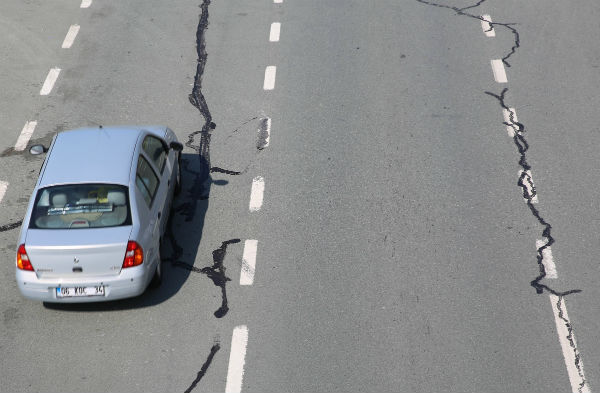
pixel 129 283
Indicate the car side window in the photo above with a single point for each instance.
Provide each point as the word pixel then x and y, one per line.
pixel 146 180
pixel 155 149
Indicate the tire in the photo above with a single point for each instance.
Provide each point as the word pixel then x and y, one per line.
pixel 178 185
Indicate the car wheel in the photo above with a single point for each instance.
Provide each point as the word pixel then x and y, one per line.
pixel 178 181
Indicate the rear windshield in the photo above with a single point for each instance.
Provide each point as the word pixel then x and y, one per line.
pixel 81 206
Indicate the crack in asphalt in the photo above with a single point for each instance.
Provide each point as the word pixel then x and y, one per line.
pixel 529 193
pixel 225 171
pixel 525 182
pixel 196 97
pixel 11 226
pixel 216 273
pixel 215 348
pixel 461 12
pixel 528 190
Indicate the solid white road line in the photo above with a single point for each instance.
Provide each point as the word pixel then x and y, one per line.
pixel 528 181
pixel 547 260
pixel 511 129
pixel 569 346
pixel 275 30
pixel 3 188
pixel 70 37
pixel 86 3
pixel 488 30
pixel 257 193
pixel 49 82
pixel 25 135
pixel 270 72
pixel 237 359
pixel 248 262
pixel 499 72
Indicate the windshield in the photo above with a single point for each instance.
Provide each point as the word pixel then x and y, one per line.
pixel 81 206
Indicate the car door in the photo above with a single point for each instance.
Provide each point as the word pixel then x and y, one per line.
pixel 156 152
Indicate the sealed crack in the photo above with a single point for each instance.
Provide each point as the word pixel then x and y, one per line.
pixel 461 12
pixel 529 193
pixel 10 227
pixel 198 100
pixel 215 348
pixel 225 171
pixel 201 175
pixel 216 273
pixel 528 190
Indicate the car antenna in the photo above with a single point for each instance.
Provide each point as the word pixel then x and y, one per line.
pixel 100 125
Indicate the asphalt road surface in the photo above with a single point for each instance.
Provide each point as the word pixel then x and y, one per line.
pixel 384 196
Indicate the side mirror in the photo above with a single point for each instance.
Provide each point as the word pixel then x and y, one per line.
pixel 176 146
pixel 36 150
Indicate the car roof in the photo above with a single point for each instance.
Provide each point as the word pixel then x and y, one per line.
pixel 94 155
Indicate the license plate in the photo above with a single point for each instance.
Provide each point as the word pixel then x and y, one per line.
pixel 79 291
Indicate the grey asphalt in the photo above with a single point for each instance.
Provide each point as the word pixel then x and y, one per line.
pixel 395 251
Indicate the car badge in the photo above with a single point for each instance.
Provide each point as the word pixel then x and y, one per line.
pixel 75 260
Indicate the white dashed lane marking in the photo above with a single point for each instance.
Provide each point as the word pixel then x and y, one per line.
pixel 277 1
pixel 270 72
pixel 248 262
pixel 275 31
pixel 512 126
pixel 237 359
pixel 3 188
pixel 70 37
pixel 264 133
pixel 257 193
pixel 528 182
pixel 499 72
pixel 488 30
pixel 569 346
pixel 86 3
pixel 547 259
pixel 49 82
pixel 25 135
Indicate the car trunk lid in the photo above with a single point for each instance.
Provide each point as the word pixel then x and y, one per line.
pixel 81 252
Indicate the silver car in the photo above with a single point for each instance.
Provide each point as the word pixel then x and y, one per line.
pixel 96 217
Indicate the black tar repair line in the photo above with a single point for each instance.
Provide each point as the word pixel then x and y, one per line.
pixel 522 146
pixel 216 273
pixel 197 192
pixel 525 183
pixel 529 192
pixel 10 227
pixel 215 348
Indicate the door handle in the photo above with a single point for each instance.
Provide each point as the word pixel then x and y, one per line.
pixel 159 214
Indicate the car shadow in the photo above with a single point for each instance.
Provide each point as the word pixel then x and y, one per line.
pixel 180 242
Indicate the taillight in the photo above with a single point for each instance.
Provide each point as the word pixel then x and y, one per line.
pixel 23 261
pixel 134 255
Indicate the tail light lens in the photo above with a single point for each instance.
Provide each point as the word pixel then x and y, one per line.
pixel 23 261
pixel 134 255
